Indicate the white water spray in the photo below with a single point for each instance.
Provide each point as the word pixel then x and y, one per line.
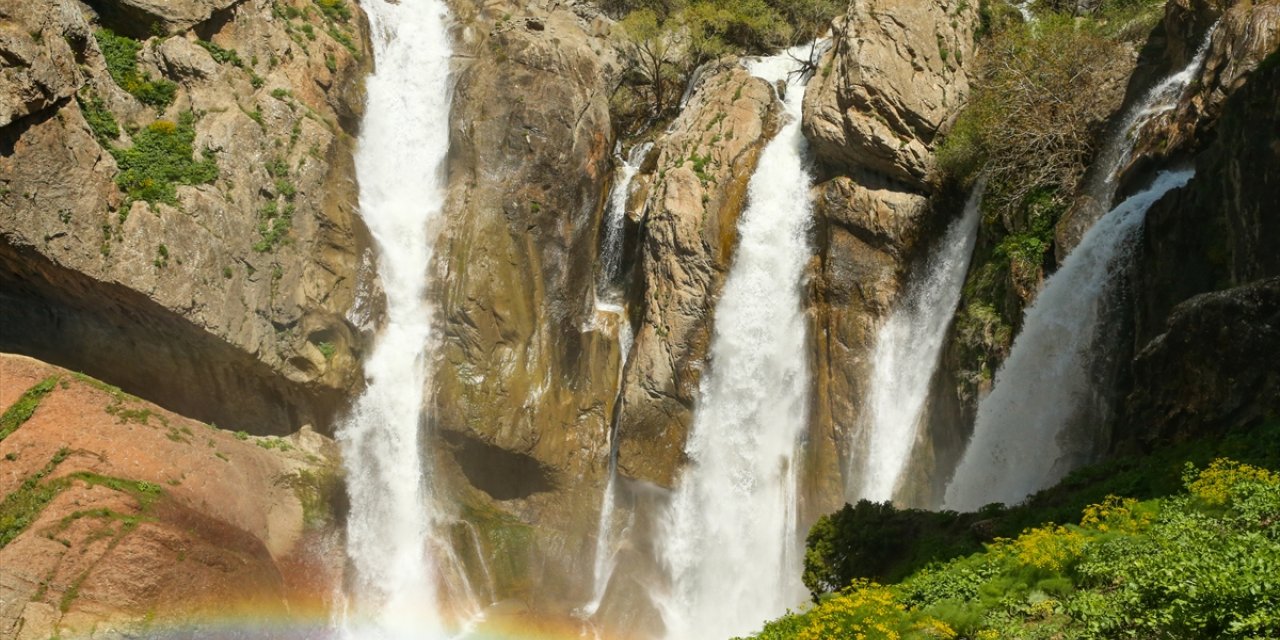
pixel 1022 439
pixel 1162 98
pixel 907 353
pixel 615 218
pixel 728 539
pixel 399 161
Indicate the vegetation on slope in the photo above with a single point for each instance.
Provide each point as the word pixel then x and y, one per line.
pixel 162 157
pixel 1042 95
pixel 121 55
pixel 1197 563
pixel 663 41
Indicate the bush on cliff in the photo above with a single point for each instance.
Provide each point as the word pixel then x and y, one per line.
pixel 161 158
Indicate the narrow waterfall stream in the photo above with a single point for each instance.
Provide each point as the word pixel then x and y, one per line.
pixel 728 540
pixel 1161 98
pixel 607 536
pixel 907 353
pixel 1022 439
pixel 391 589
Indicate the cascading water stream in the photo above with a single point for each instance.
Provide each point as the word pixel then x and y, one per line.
pixel 908 350
pixel 1102 184
pixel 391 591
pixel 1022 439
pixel 615 218
pixel 728 538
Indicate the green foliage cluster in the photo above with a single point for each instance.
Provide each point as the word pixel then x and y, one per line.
pixel 881 542
pixel 100 119
pixel 22 410
pixel 121 54
pixel 274 218
pixel 222 56
pixel 1200 563
pixel 161 158
pixel 334 9
pixel 663 41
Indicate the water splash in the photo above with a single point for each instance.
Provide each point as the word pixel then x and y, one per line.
pixel 907 353
pixel 1023 439
pixel 403 142
pixel 728 539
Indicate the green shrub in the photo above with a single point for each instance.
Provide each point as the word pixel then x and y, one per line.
pixel 220 55
pixel 161 158
pixel 100 120
pixel 334 9
pixel 121 55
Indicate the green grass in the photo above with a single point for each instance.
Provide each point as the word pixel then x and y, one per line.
pixel 121 55
pixel 21 508
pixel 161 158
pixel 26 406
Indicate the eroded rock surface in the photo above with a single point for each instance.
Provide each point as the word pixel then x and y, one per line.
pixel 147 512
pixel 264 259
pixel 891 84
pixel 688 202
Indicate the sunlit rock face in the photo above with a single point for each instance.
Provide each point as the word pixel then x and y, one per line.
pixel 149 518
pixel 241 286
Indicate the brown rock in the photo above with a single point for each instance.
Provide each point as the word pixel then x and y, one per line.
pixel 890 85
pixel 156 513
pixel 696 190
pixel 188 303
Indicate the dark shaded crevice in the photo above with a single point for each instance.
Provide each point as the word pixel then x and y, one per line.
pixel 122 337
pixel 502 474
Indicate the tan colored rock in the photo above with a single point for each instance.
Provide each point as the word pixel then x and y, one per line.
pixel 890 85
pixel 692 195
pixel 174 302
pixel 218 525
pixel 37 64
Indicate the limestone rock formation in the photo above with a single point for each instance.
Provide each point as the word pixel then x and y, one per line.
pixel 137 511
pixel 177 212
pixel 526 377
pixel 689 200
pixel 891 84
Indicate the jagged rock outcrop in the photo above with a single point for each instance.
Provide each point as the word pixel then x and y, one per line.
pixel 883 96
pixel 1244 34
pixel 687 201
pixel 526 378
pixel 222 260
pixel 1206 293
pixel 892 83
pixel 139 516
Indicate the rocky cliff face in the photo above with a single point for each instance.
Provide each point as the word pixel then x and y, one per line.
pixel 121 516
pixel 178 200
pixel 687 202
pixel 881 99
pixel 1206 295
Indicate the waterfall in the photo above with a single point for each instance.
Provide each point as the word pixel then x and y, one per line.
pixel 391 591
pixel 1115 153
pixel 1022 440
pixel 908 349
pixel 616 216
pixel 728 537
